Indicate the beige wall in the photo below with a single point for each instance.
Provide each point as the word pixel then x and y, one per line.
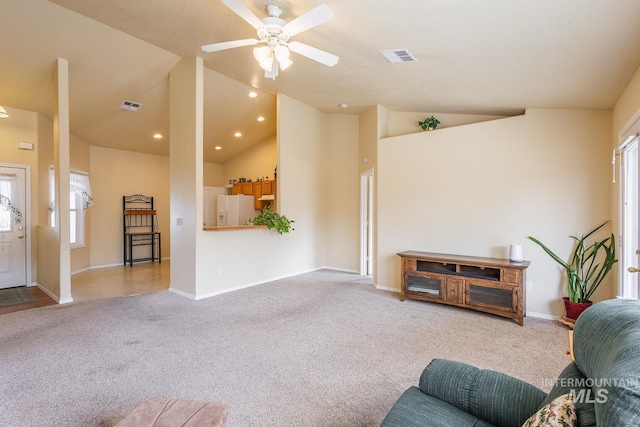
pixel 79 160
pixel 342 192
pixel 48 261
pixel 45 160
pixel 627 105
pixel 238 258
pixel 212 175
pixel 475 189
pixel 117 173
pixel 368 137
pixel 23 126
pixel 257 162
pixel 404 123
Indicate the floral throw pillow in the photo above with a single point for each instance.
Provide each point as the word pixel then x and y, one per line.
pixel 560 412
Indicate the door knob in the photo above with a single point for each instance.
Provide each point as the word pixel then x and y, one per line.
pixel 633 270
pixel 20 236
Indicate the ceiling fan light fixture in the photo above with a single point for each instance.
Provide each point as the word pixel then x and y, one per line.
pixel 264 56
pixel 282 52
pixel 261 53
pixel 275 33
pixel 267 63
pixel 282 55
pixel 285 63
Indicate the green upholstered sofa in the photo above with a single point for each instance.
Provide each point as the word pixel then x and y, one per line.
pixel 605 380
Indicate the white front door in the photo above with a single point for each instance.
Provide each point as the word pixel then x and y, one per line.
pixel 13 248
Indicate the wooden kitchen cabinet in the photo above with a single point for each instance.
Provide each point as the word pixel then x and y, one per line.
pixel 267 187
pixel 245 188
pixel 256 189
pixel 490 285
pixel 262 188
pixel 257 193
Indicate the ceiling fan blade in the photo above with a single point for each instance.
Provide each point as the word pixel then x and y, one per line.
pixel 229 45
pixel 316 16
pixel 310 52
pixel 244 13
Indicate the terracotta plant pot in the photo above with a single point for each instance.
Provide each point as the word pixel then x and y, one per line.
pixel 573 309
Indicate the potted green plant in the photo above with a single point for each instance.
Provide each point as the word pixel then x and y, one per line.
pixel 430 123
pixel 273 220
pixel 588 265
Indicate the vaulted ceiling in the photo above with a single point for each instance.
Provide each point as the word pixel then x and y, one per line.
pixel 491 57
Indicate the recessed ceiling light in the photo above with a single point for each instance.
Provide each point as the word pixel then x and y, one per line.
pixel 261 119
pixel 157 136
pixel 252 94
pixel 343 105
pixel 217 147
pixel 237 135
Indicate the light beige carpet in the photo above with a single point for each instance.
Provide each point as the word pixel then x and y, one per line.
pixel 319 349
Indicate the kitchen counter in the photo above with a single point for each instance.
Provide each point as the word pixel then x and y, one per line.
pixel 233 227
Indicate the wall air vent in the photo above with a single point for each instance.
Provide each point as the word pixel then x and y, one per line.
pixel 398 56
pixel 130 105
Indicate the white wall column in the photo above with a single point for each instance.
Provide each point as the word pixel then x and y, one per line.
pixel 186 110
pixel 61 167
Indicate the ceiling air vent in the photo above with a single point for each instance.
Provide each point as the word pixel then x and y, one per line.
pixel 130 105
pixel 398 56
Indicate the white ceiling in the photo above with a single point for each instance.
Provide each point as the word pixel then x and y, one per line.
pixel 489 57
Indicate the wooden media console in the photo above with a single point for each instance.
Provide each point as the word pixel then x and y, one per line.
pixel 491 285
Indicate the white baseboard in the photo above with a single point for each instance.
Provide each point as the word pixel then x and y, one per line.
pixel 386 288
pixel 120 264
pixel 52 296
pixel 541 315
pixel 247 285
pixel 182 294
pixel 80 271
pixel 343 270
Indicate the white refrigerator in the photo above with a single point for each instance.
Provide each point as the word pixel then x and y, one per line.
pixel 210 205
pixel 235 210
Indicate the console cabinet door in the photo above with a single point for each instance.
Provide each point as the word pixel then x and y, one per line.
pixel 491 295
pixel 427 286
pixel 455 289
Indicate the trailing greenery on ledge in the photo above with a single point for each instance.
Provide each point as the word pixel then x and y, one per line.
pixel 273 221
pixel 430 123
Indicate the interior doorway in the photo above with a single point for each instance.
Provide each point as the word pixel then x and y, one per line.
pixel 366 223
pixel 13 226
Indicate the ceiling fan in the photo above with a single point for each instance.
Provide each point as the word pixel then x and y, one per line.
pixel 275 33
